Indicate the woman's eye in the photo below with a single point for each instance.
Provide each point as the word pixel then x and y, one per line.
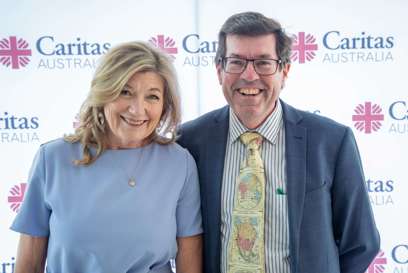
pixel 153 97
pixel 125 92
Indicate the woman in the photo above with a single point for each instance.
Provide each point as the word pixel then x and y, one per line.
pixel 118 195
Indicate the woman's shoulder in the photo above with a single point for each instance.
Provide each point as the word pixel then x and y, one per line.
pixel 173 158
pixel 59 146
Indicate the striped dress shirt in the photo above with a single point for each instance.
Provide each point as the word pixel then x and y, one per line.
pixel 276 211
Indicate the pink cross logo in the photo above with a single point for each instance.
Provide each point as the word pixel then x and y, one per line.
pixel 378 264
pixel 14 52
pixel 368 117
pixel 16 196
pixel 303 48
pixel 167 44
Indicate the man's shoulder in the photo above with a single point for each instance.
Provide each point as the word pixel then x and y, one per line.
pixel 196 132
pixel 321 131
pixel 205 120
pixel 311 120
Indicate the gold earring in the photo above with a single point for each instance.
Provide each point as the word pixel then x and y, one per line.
pixel 101 119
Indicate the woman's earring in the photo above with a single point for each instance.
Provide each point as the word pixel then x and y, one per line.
pixel 159 127
pixel 101 118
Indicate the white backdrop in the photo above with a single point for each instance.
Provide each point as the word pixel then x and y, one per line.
pixel 347 54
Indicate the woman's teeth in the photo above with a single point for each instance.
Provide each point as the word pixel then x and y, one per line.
pixel 134 122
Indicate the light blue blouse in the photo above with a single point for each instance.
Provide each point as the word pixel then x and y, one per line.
pixel 96 222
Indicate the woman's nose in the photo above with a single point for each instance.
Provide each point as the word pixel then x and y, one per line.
pixel 136 106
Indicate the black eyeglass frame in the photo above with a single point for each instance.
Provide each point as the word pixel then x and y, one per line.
pixel 225 59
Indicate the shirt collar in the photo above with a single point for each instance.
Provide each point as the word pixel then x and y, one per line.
pixel 269 129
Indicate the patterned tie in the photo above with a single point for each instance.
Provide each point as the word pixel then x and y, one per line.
pixel 246 244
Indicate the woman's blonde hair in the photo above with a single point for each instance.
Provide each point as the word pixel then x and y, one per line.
pixel 114 71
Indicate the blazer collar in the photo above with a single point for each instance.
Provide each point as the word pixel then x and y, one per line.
pixel 296 148
pixel 213 167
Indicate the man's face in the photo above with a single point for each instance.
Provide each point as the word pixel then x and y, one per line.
pixel 252 96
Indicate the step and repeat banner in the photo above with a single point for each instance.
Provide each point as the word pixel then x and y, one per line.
pixel 349 63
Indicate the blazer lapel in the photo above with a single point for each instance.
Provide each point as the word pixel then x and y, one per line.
pixel 214 165
pixel 296 176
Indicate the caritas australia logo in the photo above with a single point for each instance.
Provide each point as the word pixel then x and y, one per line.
pixel 369 117
pixel 14 52
pixel 165 43
pixel 16 128
pixel 378 264
pixel 191 50
pixel 335 46
pixel 16 196
pixel 51 53
pixel 303 48
pixel 394 260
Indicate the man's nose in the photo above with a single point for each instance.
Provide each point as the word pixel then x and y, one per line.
pixel 249 72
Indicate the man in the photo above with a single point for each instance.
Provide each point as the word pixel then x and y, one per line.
pixel 315 214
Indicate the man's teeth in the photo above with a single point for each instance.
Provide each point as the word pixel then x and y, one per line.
pixel 249 91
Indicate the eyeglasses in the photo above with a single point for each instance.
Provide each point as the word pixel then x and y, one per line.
pixel 263 67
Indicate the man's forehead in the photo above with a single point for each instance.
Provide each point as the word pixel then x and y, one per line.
pixel 261 46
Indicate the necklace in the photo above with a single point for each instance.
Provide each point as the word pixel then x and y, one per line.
pixel 123 159
pixel 132 182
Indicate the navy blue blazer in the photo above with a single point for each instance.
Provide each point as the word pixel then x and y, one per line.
pixel 331 224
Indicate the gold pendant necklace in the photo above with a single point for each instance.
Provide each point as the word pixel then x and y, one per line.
pixel 131 180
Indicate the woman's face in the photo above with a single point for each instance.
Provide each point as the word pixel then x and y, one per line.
pixel 135 114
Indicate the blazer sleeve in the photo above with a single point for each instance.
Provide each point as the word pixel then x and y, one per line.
pixel 354 227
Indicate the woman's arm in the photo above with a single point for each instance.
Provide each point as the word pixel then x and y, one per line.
pixel 189 255
pixel 31 254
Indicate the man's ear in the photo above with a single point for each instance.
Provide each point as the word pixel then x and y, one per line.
pixel 219 72
pixel 285 71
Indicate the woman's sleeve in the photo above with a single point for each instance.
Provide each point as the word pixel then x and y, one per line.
pixel 33 217
pixel 188 212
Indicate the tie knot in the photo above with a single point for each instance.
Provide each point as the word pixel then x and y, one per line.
pixel 251 138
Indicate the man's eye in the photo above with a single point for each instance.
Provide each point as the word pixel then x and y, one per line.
pixel 263 63
pixel 236 62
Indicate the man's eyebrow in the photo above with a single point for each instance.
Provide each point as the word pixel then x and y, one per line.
pixel 262 56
